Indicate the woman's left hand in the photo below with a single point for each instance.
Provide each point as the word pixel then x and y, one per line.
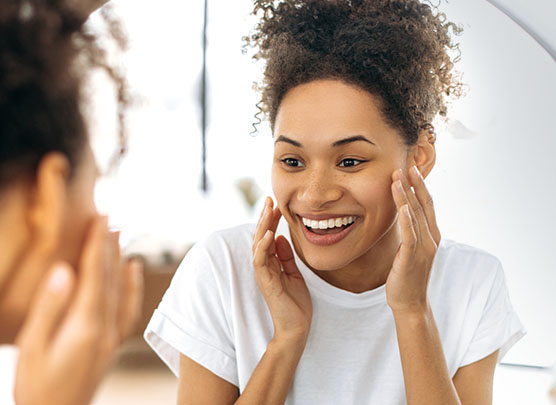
pixel 406 286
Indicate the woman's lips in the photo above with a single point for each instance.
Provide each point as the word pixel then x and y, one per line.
pixel 326 237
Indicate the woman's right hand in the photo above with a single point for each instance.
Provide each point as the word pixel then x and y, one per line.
pixel 279 279
pixel 77 322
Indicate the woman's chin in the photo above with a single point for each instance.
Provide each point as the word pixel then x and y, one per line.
pixel 320 262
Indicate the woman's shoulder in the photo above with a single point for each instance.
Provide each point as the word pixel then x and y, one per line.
pixel 461 265
pixel 235 239
pixel 222 253
pixel 457 252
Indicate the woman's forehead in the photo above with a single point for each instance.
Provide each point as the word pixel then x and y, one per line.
pixel 334 111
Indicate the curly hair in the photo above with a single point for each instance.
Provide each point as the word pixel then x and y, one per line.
pixel 397 50
pixel 45 52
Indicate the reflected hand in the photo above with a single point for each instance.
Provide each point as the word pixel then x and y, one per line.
pixel 75 324
pixel 406 286
pixel 279 279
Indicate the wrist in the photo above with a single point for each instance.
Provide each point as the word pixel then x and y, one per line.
pixel 288 345
pixel 413 314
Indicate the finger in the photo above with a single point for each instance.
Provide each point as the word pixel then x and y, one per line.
pixel 407 196
pixel 132 298
pixel 113 284
pixel 401 199
pixel 48 308
pixel 406 252
pixel 276 215
pixel 261 257
pixel 92 270
pixel 267 202
pixel 426 201
pixel 285 254
pixel 261 229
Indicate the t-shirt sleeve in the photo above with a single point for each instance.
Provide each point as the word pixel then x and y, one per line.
pixel 499 327
pixel 192 318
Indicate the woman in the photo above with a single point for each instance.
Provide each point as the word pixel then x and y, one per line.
pixel 65 298
pixel 369 306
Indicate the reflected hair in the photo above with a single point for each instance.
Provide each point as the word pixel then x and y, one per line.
pixel 45 54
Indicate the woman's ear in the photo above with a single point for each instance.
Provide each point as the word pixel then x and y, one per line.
pixel 48 199
pixel 424 152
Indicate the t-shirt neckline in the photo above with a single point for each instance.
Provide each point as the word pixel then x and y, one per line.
pixel 326 290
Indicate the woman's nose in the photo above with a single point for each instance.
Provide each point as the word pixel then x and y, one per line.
pixel 319 190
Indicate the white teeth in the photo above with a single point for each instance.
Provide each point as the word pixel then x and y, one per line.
pixel 328 223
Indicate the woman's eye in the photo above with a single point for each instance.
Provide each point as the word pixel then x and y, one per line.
pixel 291 162
pixel 349 162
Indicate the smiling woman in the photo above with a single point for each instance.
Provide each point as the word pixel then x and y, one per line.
pixel 352 297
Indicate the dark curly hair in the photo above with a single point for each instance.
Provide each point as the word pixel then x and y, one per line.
pixel 395 49
pixel 45 52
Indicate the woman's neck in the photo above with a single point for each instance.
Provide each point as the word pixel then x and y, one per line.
pixel 370 270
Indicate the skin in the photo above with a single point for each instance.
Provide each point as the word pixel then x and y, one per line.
pixel 67 300
pixel 336 155
pixel 51 214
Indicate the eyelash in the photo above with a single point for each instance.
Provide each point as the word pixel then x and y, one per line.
pixel 356 162
pixel 296 163
pixel 288 162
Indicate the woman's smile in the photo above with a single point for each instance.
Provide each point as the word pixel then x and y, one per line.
pixel 325 230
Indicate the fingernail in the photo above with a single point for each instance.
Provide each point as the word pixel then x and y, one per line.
pixel 417 172
pixel 59 280
pixel 405 210
pixel 137 266
pixel 399 186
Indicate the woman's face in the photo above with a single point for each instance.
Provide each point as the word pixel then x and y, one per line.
pixel 334 157
pixel 78 209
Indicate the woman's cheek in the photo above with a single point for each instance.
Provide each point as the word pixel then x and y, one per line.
pixel 280 186
pixel 378 194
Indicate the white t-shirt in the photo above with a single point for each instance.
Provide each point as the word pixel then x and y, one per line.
pixel 214 313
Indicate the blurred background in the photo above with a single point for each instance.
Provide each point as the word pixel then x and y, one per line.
pixel 185 176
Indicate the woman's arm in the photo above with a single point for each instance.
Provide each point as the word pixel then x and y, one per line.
pixel 289 303
pixel 426 376
pixel 474 382
pixel 197 385
pixel 269 383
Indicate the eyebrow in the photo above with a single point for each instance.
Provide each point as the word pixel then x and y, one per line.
pixel 283 138
pixel 341 142
pixel 354 138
